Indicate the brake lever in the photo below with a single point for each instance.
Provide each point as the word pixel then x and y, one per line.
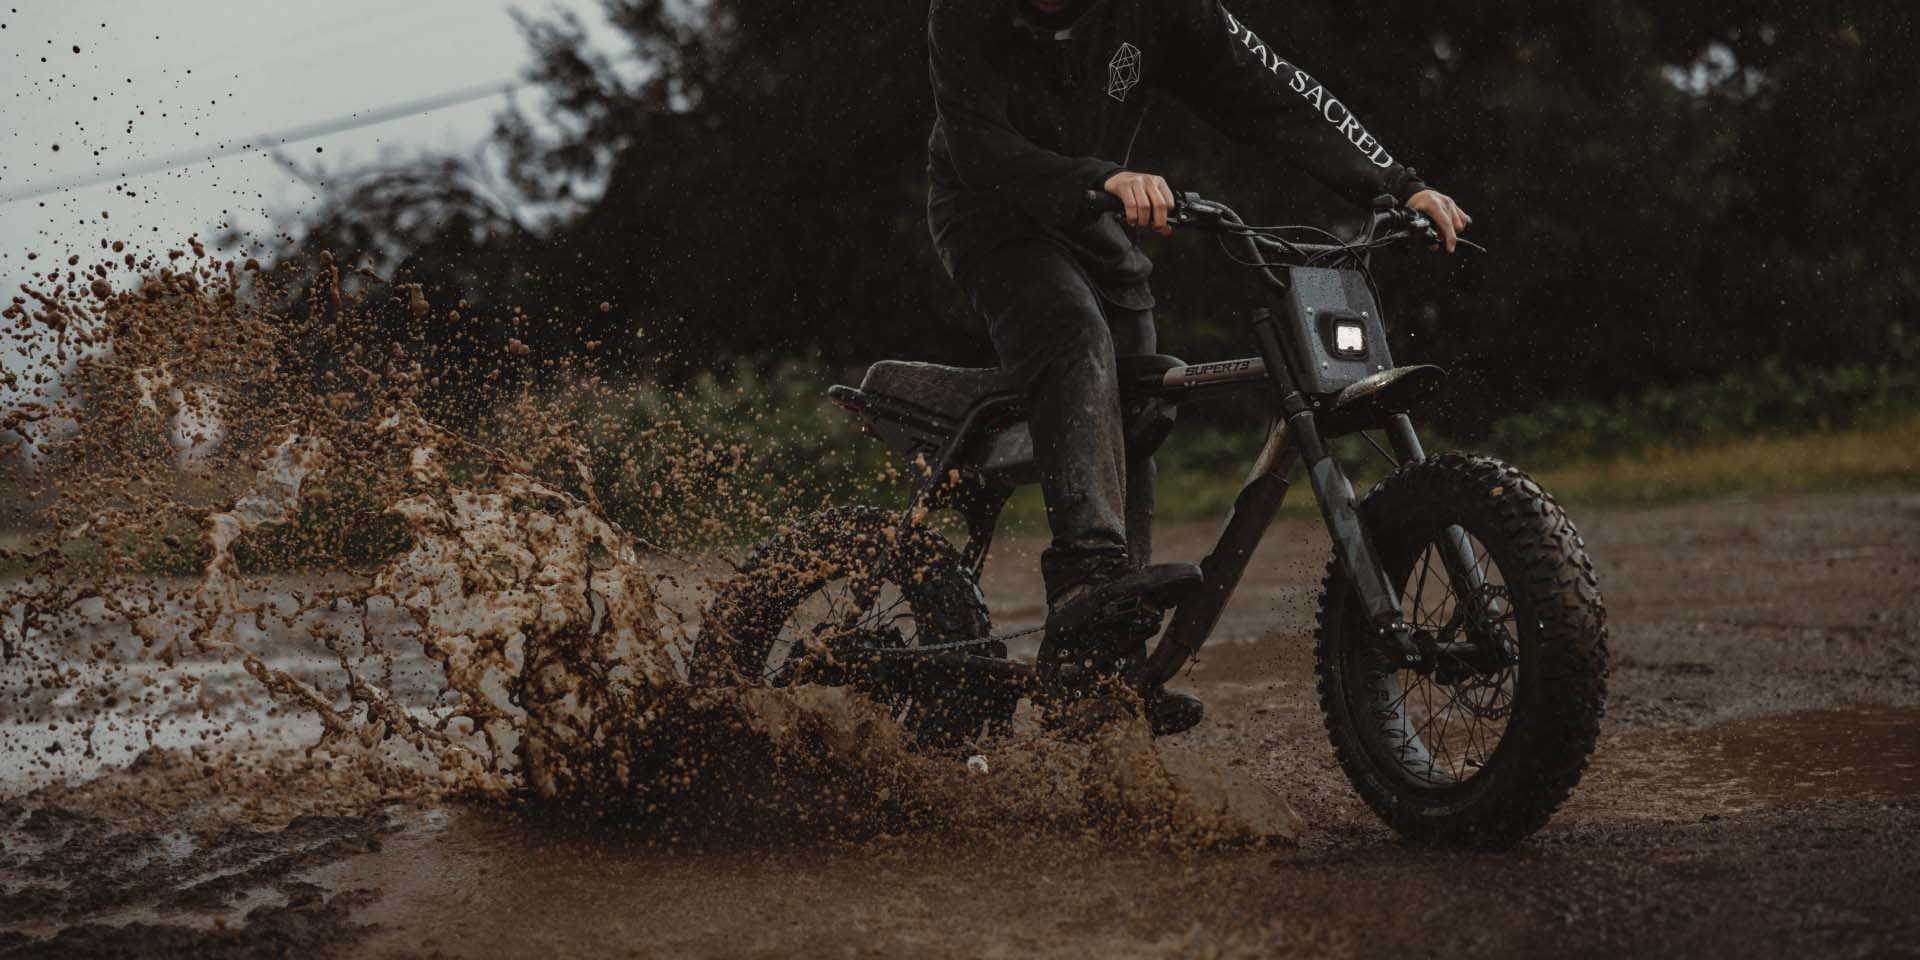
pixel 1421 224
pixel 1191 208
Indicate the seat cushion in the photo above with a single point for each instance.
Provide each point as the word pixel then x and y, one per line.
pixel 952 391
pixel 947 391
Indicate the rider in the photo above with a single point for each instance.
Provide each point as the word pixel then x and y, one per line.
pixel 1039 102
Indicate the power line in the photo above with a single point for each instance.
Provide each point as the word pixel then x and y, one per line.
pixel 267 141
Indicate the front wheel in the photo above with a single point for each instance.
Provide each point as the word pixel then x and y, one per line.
pixel 1487 731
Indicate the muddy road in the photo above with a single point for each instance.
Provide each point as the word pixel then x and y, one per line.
pixel 1756 792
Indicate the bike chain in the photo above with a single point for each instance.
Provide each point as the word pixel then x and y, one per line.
pixel 919 649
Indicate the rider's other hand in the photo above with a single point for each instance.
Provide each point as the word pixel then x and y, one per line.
pixel 1446 215
pixel 1148 199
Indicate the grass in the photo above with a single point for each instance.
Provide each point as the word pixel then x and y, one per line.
pixel 1871 457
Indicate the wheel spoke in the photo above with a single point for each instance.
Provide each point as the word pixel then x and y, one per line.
pixel 1475 745
pixel 1400 700
pixel 1448 730
pixel 882 616
pixel 1419 589
pixel 1426 704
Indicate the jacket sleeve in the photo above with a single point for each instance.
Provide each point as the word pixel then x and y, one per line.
pixel 1247 90
pixel 970 93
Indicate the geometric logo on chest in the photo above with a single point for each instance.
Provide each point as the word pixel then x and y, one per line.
pixel 1123 71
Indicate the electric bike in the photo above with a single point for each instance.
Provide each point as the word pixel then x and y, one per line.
pixel 1461 642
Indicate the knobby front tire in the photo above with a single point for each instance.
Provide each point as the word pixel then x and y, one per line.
pixel 1479 744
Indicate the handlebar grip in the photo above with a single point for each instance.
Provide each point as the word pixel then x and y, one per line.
pixel 1097 202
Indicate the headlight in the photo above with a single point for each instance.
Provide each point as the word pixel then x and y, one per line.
pixel 1349 339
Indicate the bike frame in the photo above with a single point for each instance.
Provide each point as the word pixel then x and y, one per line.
pixel 953 477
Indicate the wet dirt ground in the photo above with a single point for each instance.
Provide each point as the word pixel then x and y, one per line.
pixel 1756 792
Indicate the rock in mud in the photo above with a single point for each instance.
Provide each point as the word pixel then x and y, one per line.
pixel 1138 785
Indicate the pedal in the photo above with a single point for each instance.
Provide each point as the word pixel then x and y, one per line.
pixel 1169 713
pixel 1156 588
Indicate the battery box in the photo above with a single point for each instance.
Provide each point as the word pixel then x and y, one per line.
pixel 1333 329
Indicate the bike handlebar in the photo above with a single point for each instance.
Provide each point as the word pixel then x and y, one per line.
pixel 1390 225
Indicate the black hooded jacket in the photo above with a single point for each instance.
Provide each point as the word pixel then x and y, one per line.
pixel 1031 117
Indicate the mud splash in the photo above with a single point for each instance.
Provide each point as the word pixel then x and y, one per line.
pixel 468 620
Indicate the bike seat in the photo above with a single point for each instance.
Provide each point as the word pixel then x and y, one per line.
pixel 947 391
pixel 952 391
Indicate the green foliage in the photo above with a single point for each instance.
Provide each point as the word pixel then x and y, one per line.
pixel 719 459
pixel 1770 398
pixel 723 460
pixel 728 457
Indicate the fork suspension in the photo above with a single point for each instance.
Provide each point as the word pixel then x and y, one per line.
pixel 1330 487
pixel 1350 542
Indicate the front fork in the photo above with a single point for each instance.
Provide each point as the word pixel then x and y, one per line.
pixel 1351 545
pixel 1358 559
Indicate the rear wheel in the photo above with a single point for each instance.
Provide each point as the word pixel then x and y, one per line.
pixel 1488 733
pixel 819 600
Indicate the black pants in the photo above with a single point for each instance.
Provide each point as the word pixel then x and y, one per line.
pixel 1058 340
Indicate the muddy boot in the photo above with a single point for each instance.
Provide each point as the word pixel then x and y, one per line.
pixel 1167 712
pixel 1110 600
pixel 1095 649
pixel 1077 702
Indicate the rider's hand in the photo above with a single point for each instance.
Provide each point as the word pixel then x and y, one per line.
pixel 1446 215
pixel 1148 198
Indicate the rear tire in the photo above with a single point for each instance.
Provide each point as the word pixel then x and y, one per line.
pixel 1536 670
pixel 809 599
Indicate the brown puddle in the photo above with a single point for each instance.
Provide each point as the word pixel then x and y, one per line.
pixel 1782 760
pixel 1802 755
pixel 475 881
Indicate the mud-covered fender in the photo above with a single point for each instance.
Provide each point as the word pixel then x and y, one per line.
pixel 1368 403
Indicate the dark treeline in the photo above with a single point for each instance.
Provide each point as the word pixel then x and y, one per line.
pixel 1670 189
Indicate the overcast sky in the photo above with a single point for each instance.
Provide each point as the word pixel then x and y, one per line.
pixel 151 80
